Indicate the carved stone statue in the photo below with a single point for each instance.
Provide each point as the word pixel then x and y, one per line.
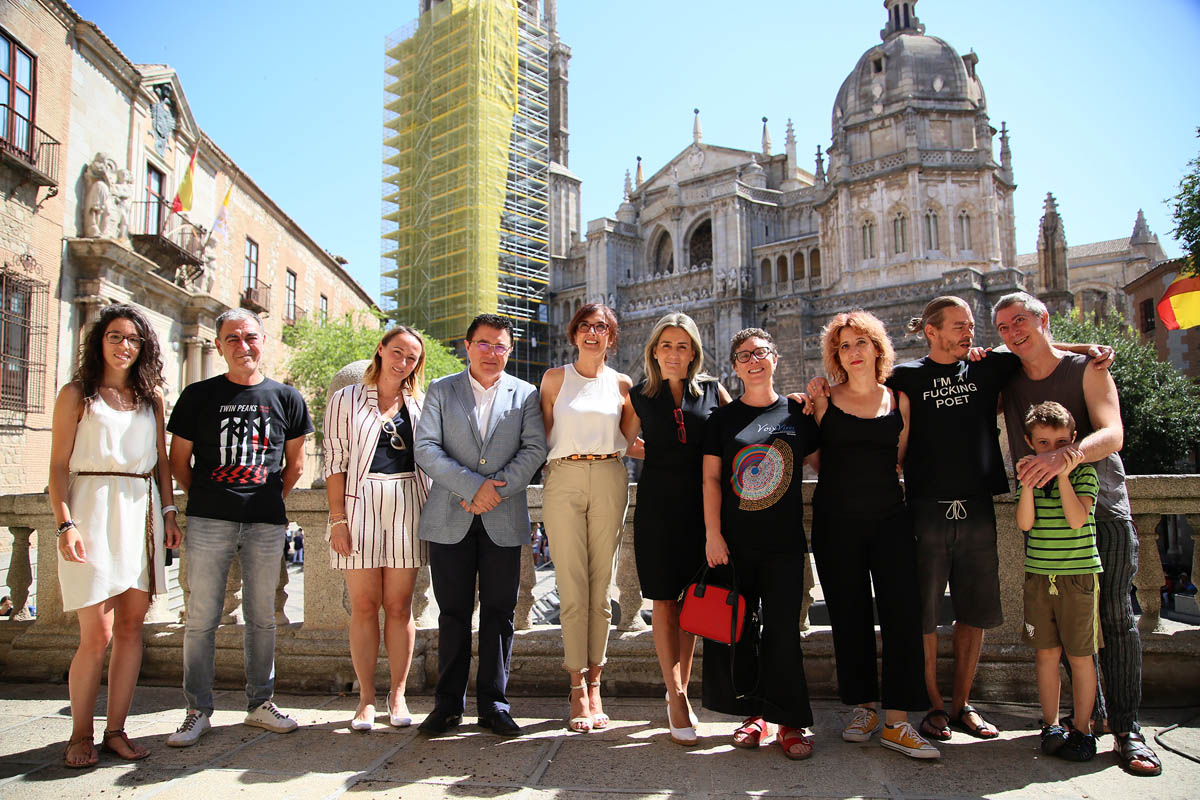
pixel 98 217
pixel 122 202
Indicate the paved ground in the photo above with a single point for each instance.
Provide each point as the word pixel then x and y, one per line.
pixel 633 759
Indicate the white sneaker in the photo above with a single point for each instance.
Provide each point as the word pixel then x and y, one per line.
pixel 195 725
pixel 270 717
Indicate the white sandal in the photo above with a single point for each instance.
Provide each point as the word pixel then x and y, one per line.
pixel 580 724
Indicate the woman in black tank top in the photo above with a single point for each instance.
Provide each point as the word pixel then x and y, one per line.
pixel 862 535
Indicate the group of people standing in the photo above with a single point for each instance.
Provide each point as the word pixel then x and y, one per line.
pixel 439 478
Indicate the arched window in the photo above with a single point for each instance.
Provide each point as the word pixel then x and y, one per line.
pixel 931 230
pixel 798 265
pixel 814 263
pixel 781 274
pixel 764 272
pixel 700 248
pixel 964 231
pixel 900 233
pixel 868 239
pixel 664 254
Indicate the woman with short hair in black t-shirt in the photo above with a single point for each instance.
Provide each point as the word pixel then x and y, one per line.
pixel 754 453
pixel 862 533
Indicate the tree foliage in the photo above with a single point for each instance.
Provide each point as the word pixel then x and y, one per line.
pixel 319 351
pixel 1160 406
pixel 1186 213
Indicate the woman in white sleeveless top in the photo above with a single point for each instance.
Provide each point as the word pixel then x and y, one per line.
pixel 589 419
pixel 110 485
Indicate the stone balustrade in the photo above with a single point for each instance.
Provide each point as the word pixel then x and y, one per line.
pixel 313 654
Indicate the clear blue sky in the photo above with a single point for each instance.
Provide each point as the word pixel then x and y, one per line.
pixel 1100 96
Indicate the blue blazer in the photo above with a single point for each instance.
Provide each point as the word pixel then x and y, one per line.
pixel 449 449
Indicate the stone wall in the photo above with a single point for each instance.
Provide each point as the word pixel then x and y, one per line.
pixel 314 655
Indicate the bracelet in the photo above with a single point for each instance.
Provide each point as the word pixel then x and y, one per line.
pixel 66 526
pixel 334 520
pixel 168 509
pixel 339 522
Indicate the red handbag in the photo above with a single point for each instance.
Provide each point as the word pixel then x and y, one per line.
pixel 714 612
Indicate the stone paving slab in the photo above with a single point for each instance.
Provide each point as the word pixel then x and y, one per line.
pixel 633 758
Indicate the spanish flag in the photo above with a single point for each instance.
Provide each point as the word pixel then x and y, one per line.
pixel 183 197
pixel 1180 306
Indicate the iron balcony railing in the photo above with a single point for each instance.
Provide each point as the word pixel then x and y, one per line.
pixel 167 238
pixel 32 147
pixel 256 296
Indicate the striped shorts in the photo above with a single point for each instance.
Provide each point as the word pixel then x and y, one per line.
pixel 383 532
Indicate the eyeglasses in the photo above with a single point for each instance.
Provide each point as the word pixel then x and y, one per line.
pixel 497 350
pixel 397 441
pixel 595 327
pixel 116 337
pixel 680 429
pixel 758 354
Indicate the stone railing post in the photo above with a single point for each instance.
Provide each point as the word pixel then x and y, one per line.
pixel 424 609
pixel 1194 521
pixel 1149 577
pixel 281 594
pixel 20 572
pixel 50 612
pixel 629 587
pixel 325 608
pixel 1010 546
pixel 523 620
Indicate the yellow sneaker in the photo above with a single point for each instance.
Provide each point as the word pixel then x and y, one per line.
pixel 903 738
pixel 863 726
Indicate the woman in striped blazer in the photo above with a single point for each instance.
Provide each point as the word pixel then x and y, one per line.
pixel 375 496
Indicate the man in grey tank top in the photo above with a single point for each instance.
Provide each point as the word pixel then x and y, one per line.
pixel 1049 373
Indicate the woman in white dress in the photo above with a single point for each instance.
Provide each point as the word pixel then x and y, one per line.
pixel 110 485
pixel 375 496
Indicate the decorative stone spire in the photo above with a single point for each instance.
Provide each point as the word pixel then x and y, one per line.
pixel 1052 252
pixel 820 168
pixel 638 180
pixel 1141 231
pixel 789 147
pixel 1005 154
pixel 628 184
pixel 697 131
pixel 766 139
pixel 902 18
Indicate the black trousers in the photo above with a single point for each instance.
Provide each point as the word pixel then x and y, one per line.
pixel 453 569
pixel 770 666
pixel 850 554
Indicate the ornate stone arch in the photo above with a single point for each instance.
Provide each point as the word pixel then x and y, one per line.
pixel 868 230
pixel 966 227
pixel 899 230
pixel 814 263
pixel 781 268
pixel 764 272
pixel 934 226
pixel 660 255
pixel 798 266
pixel 700 243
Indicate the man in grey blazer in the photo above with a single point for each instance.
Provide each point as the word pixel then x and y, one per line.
pixel 480 439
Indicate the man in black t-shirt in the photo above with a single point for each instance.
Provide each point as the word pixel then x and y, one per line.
pixel 237 449
pixel 952 469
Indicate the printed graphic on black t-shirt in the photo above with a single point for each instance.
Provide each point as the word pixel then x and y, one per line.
pixel 953 443
pixel 244 436
pixel 762 453
pixel 238 435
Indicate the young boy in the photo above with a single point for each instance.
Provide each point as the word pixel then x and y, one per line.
pixel 1061 587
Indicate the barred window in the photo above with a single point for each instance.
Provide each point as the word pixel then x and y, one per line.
pixel 23 328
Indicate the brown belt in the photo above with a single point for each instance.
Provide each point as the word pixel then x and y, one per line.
pixel 591 456
pixel 148 477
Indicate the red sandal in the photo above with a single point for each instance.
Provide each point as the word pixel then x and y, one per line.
pixel 752 730
pixel 790 738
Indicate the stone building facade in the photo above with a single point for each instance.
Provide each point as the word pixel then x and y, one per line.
pixel 913 203
pixel 916 201
pixel 1180 348
pixel 127 136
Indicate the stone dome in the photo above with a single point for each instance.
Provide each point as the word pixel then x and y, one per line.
pixel 907 69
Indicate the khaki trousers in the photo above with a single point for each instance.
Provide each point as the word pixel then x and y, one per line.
pixel 584 506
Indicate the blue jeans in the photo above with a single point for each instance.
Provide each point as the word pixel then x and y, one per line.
pixel 211 545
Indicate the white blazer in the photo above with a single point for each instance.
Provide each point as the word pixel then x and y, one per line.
pixel 352 427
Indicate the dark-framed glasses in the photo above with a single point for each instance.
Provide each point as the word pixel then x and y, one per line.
pixel 498 350
pixel 116 337
pixel 680 428
pixel 396 441
pixel 594 327
pixel 758 354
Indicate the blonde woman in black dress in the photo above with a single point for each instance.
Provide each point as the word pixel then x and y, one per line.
pixel 672 404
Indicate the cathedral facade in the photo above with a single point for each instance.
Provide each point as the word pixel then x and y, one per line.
pixel 916 201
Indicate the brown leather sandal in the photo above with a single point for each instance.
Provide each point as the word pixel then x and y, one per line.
pixel 120 734
pixel 93 756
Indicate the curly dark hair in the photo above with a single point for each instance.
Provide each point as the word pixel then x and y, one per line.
pixel 146 373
